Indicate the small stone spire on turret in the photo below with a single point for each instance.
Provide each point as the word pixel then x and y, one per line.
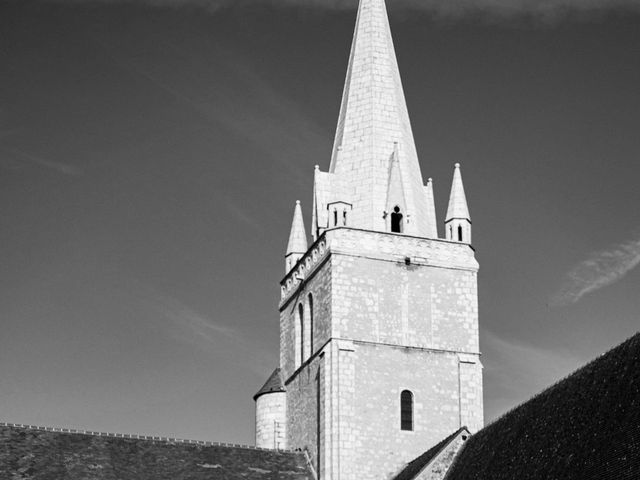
pixel 430 213
pixel 297 245
pixel 458 221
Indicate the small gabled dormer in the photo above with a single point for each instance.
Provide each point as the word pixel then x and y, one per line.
pixel 339 214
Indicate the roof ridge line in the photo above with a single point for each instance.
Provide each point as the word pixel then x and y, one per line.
pixel 447 474
pixel 134 436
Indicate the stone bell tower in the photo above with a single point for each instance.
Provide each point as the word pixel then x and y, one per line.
pixel 379 354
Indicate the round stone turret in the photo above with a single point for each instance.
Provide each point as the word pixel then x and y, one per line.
pixel 271 413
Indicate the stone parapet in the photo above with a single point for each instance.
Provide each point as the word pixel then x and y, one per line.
pixel 379 245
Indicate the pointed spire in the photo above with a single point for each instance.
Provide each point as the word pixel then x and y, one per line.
pixel 457 200
pixel 297 245
pixel 431 210
pixel 373 117
pixel 458 222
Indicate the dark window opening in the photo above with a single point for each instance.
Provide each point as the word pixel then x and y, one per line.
pixel 310 298
pixel 396 220
pixel 459 233
pixel 406 410
pixel 302 336
pixel 335 218
pixel 344 217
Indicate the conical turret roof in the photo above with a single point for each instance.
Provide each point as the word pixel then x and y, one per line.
pixel 297 237
pixel 273 384
pixel 457 200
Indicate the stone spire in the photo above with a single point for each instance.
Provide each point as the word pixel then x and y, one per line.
pixel 297 245
pixel 431 210
pixel 458 221
pixel 374 125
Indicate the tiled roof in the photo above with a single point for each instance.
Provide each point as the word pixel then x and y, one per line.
pixel 273 384
pixel 30 453
pixel 414 467
pixel 586 427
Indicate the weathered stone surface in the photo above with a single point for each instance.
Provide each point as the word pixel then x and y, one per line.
pixel 391 312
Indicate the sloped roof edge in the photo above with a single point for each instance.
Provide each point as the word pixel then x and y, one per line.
pixel 273 384
pixel 417 466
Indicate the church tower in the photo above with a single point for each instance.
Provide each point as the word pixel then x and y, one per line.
pixel 379 352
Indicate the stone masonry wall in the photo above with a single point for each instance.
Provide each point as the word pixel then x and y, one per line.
pixel 471 402
pixel 303 407
pixel 319 286
pixel 409 307
pixel 402 298
pixel 391 312
pixel 271 421
pixel 372 444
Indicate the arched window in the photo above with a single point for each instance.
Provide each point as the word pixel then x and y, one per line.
pixel 459 233
pixel 406 410
pixel 302 333
pixel 310 334
pixel 396 220
pixel 335 217
pixel 344 217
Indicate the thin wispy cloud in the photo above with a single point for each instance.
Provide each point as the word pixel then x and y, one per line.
pixel 189 325
pixel 517 370
pixel 226 90
pixel 242 216
pixel 446 8
pixel 599 270
pixel 22 157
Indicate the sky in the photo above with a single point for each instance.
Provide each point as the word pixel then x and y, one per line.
pixel 151 153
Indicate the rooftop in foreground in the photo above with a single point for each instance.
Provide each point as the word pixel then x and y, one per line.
pixel 28 452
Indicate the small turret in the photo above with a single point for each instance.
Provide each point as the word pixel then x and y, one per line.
pixel 271 413
pixel 430 214
pixel 458 222
pixel 297 245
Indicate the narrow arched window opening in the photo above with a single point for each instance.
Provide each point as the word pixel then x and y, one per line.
pixel 406 410
pixel 344 217
pixel 302 333
pixel 459 233
pixel 396 220
pixel 335 217
pixel 310 335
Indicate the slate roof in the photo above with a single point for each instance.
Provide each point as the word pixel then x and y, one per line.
pixel 34 454
pixel 586 427
pixel 273 384
pixel 415 466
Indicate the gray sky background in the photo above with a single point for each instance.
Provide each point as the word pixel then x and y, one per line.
pixel 151 154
